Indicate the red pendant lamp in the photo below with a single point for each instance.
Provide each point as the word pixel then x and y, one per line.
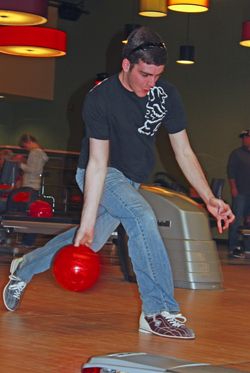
pixel 245 34
pixel 32 41
pixel 23 12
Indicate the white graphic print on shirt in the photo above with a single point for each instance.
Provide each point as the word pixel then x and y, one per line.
pixel 155 112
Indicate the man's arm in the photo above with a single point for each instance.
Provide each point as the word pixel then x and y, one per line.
pixel 233 187
pixel 232 166
pixel 192 170
pixel 31 164
pixel 94 181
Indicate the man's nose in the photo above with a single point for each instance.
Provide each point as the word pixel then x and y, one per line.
pixel 151 81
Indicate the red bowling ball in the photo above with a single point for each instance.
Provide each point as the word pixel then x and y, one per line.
pixel 76 268
pixel 40 209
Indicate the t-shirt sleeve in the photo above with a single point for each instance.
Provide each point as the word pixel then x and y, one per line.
pixel 94 116
pixel 175 120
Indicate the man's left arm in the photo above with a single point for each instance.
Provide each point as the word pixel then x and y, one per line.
pixel 192 170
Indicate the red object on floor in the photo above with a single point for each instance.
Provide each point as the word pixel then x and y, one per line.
pixel 76 268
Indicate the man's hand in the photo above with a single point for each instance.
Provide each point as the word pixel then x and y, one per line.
pixel 84 237
pixel 222 213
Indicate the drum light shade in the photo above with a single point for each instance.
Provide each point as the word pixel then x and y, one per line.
pixel 188 6
pixel 186 55
pixel 23 12
pixel 245 35
pixel 153 8
pixel 32 41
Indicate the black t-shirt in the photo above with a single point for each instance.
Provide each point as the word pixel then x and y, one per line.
pixel 238 168
pixel 130 123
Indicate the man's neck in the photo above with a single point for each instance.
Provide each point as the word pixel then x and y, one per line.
pixel 123 80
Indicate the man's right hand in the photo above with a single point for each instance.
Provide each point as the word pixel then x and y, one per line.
pixel 84 237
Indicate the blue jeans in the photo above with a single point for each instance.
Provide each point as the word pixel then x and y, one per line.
pixel 241 209
pixel 121 203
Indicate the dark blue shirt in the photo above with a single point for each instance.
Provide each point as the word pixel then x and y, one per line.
pixel 113 113
pixel 238 168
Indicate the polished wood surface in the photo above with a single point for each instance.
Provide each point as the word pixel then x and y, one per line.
pixel 55 331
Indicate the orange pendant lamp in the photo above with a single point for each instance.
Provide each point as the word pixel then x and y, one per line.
pixel 32 41
pixel 188 6
pixel 23 12
pixel 153 8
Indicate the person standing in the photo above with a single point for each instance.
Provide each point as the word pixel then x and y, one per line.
pixel 33 168
pixel 32 173
pixel 122 117
pixel 238 170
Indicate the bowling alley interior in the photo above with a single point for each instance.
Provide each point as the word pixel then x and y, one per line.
pixel 48 65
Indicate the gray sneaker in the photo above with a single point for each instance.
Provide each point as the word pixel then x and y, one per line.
pixel 14 289
pixel 166 325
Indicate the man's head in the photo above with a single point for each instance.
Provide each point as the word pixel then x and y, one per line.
pixel 245 136
pixel 144 59
pixel 145 45
pixel 27 141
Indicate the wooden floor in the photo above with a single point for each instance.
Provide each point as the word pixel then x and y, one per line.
pixel 55 331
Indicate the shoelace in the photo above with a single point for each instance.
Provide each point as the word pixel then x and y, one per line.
pixel 175 319
pixel 17 288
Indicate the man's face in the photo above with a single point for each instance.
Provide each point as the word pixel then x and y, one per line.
pixel 246 141
pixel 141 77
pixel 26 145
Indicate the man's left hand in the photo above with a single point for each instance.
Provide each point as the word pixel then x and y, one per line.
pixel 222 213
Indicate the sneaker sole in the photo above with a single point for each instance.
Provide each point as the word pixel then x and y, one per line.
pixel 162 335
pixel 4 290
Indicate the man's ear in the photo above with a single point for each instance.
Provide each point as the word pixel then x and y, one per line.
pixel 125 65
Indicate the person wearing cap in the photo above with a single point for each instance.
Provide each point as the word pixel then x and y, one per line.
pixel 238 170
pixel 122 117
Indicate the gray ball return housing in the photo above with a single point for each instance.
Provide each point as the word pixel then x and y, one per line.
pixel 184 226
pixel 141 362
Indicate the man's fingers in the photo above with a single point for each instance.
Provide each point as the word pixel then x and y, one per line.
pixel 219 225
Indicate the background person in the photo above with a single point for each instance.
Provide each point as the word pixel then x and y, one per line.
pixel 238 170
pixel 33 168
pixel 10 176
pixel 122 117
pixel 32 173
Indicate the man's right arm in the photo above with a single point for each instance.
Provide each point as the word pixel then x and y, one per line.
pixel 231 170
pixel 233 187
pixel 94 182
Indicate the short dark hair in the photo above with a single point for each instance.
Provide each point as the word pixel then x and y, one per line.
pixel 26 137
pixel 245 133
pixel 146 45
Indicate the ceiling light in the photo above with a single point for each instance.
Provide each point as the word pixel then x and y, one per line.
pixel 23 12
pixel 153 8
pixel 32 41
pixel 188 6
pixel 245 34
pixel 186 55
